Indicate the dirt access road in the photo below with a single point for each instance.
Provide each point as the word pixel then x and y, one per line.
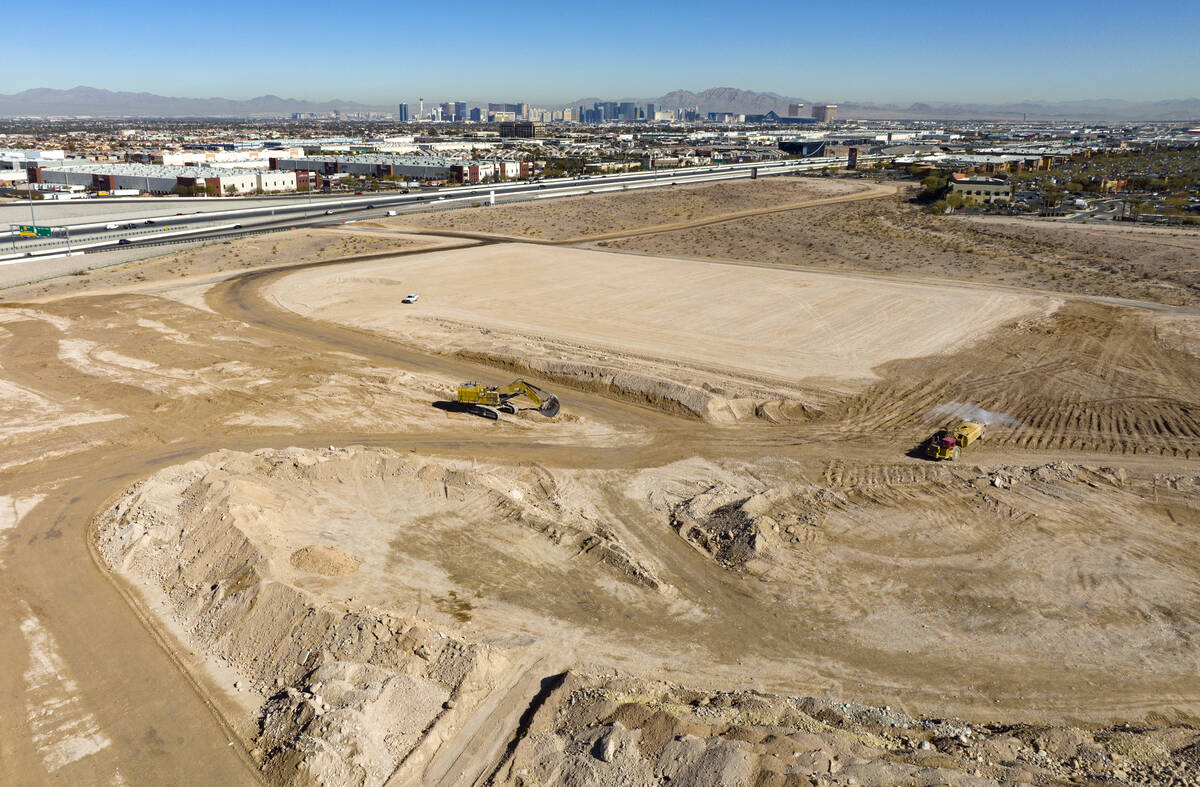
pixel 131 382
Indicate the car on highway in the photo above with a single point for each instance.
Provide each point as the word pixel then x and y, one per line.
pixel 124 241
pixel 148 221
pixel 112 226
pixel 237 226
pixel 131 226
pixel 410 298
pixel 328 213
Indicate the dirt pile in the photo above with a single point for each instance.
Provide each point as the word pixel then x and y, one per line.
pixel 620 731
pixel 373 602
pixel 348 691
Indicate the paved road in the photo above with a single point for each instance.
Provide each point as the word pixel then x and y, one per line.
pixel 149 222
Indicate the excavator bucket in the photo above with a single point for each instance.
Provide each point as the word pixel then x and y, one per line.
pixel 549 407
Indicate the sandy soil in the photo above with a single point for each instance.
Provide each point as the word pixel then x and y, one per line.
pixel 890 235
pixel 261 532
pixel 577 217
pixel 241 254
pixel 799 330
pixel 902 581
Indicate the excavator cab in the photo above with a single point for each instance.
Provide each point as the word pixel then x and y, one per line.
pixel 490 401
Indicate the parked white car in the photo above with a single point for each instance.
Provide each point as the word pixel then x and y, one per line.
pixel 410 298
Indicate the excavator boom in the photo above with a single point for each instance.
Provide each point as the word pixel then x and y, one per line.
pixel 490 401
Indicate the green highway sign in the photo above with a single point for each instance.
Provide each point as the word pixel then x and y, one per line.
pixel 29 231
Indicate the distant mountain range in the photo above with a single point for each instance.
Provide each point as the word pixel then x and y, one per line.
pixel 95 102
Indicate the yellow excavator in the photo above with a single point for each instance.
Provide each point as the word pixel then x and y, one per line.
pixel 491 400
pixel 948 443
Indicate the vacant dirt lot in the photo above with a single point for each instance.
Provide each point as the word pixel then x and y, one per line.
pixel 243 535
pixel 577 217
pixel 893 236
pixel 800 330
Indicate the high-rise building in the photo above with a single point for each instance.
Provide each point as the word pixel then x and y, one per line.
pixel 825 113
pixel 420 109
pixel 650 113
pixel 476 115
pixel 795 110
pixel 628 111
pixel 524 111
pixel 402 113
pixel 460 111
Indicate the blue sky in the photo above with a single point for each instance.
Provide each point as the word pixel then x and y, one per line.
pixel 381 52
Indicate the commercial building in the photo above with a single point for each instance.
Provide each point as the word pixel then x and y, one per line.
pixel 402 113
pixel 795 110
pixel 411 167
pixel 650 112
pixel 163 179
pixel 824 113
pixel 526 129
pixel 234 159
pixel 977 188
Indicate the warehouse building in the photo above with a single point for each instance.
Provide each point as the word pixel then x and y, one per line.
pixel 163 179
pixel 412 167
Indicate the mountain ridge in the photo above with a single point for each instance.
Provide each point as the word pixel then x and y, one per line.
pixel 85 101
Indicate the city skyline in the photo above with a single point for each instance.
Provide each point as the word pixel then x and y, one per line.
pixel 874 52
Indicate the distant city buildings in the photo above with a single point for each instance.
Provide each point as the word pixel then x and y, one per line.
pixel 795 110
pixel 402 113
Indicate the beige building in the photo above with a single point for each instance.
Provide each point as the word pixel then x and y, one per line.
pixel 795 110
pixel 825 113
pixel 977 188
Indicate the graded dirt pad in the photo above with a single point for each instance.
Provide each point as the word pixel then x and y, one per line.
pixel 719 341
pixel 946 588
pixel 562 218
pixel 893 236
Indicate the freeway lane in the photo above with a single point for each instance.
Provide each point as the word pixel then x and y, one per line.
pixel 20 258
pixel 93 216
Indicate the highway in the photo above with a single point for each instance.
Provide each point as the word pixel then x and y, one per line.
pixel 95 226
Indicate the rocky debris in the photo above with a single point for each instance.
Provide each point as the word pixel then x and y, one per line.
pixel 614 730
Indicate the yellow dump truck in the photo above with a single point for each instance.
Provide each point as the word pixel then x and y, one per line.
pixel 948 443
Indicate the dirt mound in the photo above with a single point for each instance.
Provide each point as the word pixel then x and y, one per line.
pixel 325 560
pixel 620 731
